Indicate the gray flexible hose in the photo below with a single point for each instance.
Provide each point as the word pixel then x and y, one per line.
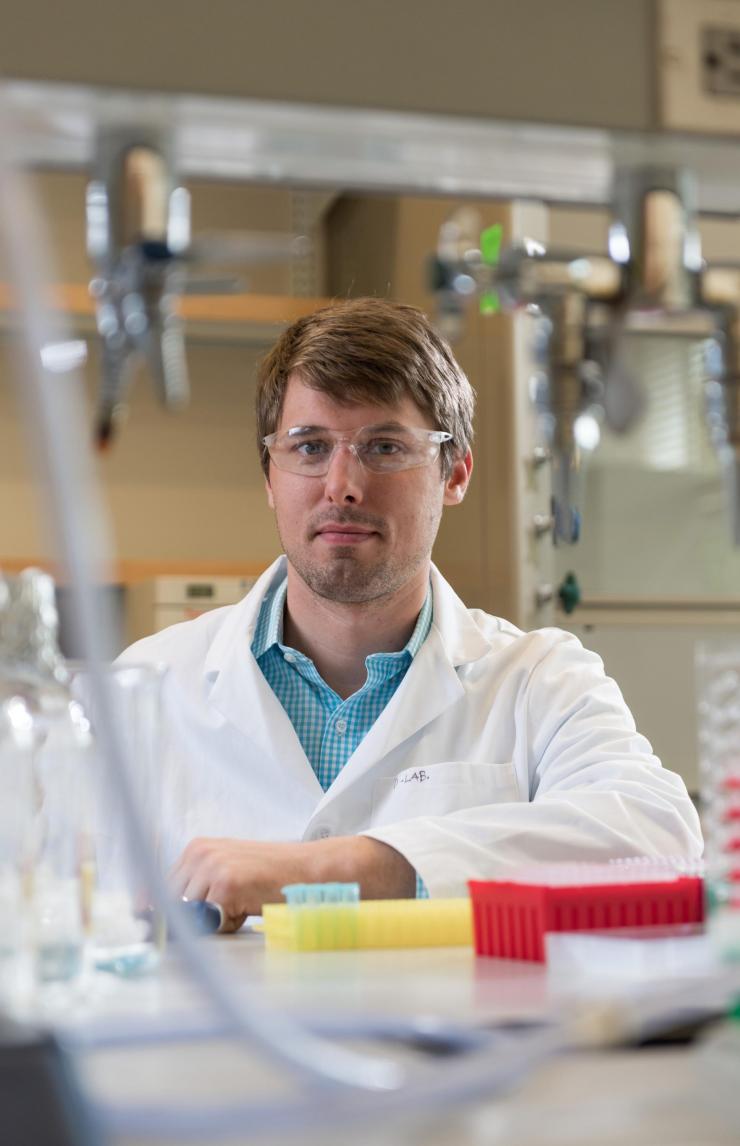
pixel 77 522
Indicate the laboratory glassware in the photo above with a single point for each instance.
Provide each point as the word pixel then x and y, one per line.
pixel 44 738
pixel 126 930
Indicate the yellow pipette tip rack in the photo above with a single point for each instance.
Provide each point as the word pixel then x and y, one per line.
pixel 371 923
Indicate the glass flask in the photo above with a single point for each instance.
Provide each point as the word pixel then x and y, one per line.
pixel 44 743
pixel 17 739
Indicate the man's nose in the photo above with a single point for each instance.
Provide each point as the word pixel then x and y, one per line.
pixel 345 478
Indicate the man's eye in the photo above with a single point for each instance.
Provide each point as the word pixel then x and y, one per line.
pixel 384 446
pixel 314 448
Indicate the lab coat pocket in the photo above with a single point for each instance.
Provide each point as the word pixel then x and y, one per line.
pixel 437 789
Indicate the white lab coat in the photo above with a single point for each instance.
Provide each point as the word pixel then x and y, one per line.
pixel 499 748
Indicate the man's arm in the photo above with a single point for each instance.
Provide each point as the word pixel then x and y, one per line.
pixel 241 875
pixel 595 790
pixel 589 789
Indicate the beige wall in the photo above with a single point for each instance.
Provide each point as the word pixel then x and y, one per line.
pixel 554 61
pixel 180 487
pixel 587 229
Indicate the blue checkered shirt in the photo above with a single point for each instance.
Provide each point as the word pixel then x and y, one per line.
pixel 328 727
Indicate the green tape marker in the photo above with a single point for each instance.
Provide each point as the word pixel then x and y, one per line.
pixel 490 249
pixel 489 302
pixel 490 243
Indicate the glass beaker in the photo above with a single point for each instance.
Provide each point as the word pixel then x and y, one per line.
pixel 126 933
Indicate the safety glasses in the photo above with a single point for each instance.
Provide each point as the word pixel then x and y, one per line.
pixel 382 449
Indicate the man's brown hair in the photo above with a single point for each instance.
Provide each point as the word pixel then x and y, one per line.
pixel 369 350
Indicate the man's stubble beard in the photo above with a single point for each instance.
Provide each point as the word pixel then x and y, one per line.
pixel 348 581
pixel 345 580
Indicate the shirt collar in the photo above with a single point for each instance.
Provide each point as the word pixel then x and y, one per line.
pixel 269 628
pixel 422 626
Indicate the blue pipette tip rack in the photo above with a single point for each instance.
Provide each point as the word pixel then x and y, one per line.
pixel 300 894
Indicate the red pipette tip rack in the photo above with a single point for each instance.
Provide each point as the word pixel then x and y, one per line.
pixel 511 919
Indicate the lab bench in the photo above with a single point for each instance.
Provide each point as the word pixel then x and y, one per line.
pixel 598 1097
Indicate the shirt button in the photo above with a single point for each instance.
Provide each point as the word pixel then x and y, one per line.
pixel 290 658
pixel 321 833
pixel 341 726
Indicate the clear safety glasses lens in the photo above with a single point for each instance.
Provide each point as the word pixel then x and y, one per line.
pixel 306 451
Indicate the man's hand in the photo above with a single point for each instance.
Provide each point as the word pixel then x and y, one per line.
pixel 241 875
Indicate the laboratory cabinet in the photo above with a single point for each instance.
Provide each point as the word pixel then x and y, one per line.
pixel 154 604
pixel 657 567
pixel 651 653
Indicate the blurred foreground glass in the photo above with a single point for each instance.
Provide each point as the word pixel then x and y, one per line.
pixel 62 869
pixel 718 693
pixel 44 749
pixel 17 743
pixel 126 933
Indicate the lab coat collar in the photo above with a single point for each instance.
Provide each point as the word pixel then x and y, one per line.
pixel 235 636
pixel 233 678
pixel 461 639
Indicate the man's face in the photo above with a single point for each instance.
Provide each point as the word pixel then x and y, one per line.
pixel 353 535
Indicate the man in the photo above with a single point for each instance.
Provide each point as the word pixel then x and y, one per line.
pixel 350 719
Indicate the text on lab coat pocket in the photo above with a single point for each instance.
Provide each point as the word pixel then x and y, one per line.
pixel 437 789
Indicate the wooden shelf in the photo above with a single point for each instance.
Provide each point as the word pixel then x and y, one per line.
pixel 74 299
pixel 129 572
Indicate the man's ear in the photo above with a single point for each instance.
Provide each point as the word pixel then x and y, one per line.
pixel 268 491
pixel 457 483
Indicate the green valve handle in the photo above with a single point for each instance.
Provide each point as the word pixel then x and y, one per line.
pixel 569 592
pixel 490 249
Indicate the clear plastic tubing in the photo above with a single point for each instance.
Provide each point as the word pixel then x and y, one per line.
pixel 55 424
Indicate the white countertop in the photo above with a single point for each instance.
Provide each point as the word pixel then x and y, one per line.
pixel 677 1095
